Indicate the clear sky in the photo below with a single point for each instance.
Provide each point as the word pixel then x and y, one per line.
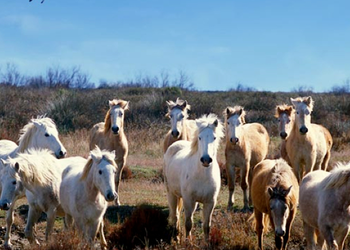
pixel 273 45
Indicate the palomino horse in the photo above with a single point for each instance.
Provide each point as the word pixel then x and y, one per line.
pixel 40 174
pixel 275 194
pixel 181 127
pixel 246 145
pixel 38 133
pixel 308 145
pixel 91 186
pixel 192 173
pixel 324 206
pixel 110 135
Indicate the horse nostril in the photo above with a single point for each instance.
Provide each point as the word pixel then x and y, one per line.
pixel 236 140
pixel 5 206
pixel 202 159
pixel 279 233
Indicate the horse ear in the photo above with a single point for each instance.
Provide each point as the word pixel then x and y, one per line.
pixel 110 103
pixel 270 191
pixel 293 101
pixel 126 107
pixel 228 111
pixel 308 100
pixel 17 167
pixel 184 104
pixel 286 192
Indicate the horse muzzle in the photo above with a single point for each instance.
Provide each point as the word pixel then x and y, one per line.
pixel 61 154
pixel 111 196
pixel 115 130
pixel 175 134
pixel 283 135
pixel 279 232
pixel 234 140
pixel 303 130
pixel 206 160
pixel 5 205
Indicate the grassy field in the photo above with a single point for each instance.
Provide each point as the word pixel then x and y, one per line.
pixel 139 222
pixel 143 194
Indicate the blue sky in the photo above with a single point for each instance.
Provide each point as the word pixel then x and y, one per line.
pixel 269 45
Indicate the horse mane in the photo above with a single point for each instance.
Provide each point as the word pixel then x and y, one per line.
pixel 178 104
pixel 28 131
pixel 339 176
pixel 236 110
pixel 38 167
pixel 283 108
pixel 307 100
pixel 204 122
pixel 115 102
pixel 100 155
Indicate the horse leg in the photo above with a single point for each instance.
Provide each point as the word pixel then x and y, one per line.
pixel 288 227
pixel 208 209
pixel 50 221
pixel 120 163
pixel 259 227
pixel 9 222
pixel 244 186
pixel 231 177
pixel 328 235
pixel 309 233
pixel 341 236
pixel 33 216
pixel 103 241
pixel 68 221
pixel 189 207
pixel 326 160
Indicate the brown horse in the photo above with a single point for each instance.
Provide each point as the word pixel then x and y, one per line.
pixel 110 135
pixel 246 145
pixel 181 127
pixel 324 206
pixel 275 194
pixel 309 145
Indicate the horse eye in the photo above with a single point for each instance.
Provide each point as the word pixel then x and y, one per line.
pixel 171 116
pixel 14 182
pixel 100 171
pixel 297 112
pixel 120 114
pixel 279 120
pixel 47 134
pixel 199 138
pixel 228 123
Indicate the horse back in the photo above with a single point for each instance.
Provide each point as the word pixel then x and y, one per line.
pixel 257 137
pixel 7 147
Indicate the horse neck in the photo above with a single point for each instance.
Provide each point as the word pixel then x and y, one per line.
pixel 117 139
pixel 184 133
pixel 90 188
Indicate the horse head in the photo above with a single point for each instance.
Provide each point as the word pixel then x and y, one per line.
pixel 104 172
pixel 303 107
pixel 177 112
pixel 11 186
pixel 208 137
pixel 235 117
pixel 279 208
pixel 41 133
pixel 284 114
pixel 116 115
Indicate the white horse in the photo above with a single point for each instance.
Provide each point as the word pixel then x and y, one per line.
pixel 85 192
pixel 38 172
pixel 38 133
pixel 192 173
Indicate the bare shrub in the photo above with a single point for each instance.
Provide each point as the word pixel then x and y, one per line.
pixel 146 227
